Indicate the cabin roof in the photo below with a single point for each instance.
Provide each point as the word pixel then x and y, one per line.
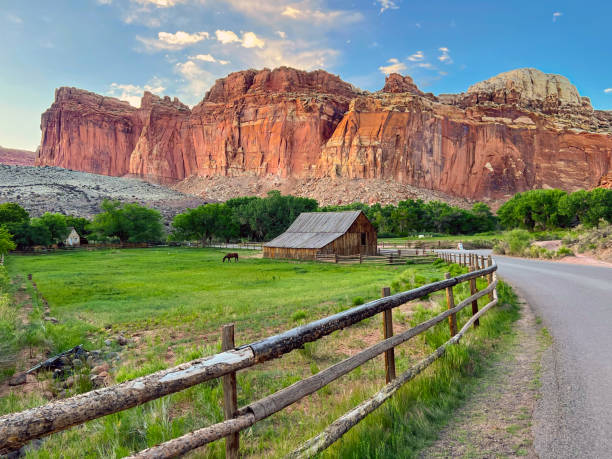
pixel 314 230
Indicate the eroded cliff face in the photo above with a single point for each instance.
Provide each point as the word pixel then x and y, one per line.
pixel 517 131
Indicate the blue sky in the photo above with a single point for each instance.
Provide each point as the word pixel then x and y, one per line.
pixel 179 47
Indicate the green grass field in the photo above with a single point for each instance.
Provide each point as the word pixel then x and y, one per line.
pixel 171 304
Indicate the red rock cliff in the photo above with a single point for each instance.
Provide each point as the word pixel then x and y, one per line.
pixel 519 130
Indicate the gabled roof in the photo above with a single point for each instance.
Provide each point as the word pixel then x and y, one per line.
pixel 314 230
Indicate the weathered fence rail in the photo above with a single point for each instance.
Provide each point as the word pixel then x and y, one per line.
pixel 383 256
pixel 17 429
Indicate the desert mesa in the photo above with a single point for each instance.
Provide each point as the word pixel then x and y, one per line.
pixel 519 130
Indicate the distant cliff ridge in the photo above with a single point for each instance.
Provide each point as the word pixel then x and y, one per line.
pixel 13 157
pixel 519 130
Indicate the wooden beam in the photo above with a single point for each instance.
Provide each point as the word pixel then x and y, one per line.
pixel 450 302
pixel 230 395
pixel 473 291
pixel 388 333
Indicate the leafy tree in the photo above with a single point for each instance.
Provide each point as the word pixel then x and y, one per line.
pixel 205 222
pixel 599 207
pixel 6 242
pixel 268 217
pixel 127 222
pixel 56 224
pixel 534 209
pixel 11 212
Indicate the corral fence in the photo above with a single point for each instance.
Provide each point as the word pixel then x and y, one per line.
pixel 18 428
pixel 382 257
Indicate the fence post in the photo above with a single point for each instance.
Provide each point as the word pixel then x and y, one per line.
pixel 360 258
pixel 388 333
pixel 336 257
pixel 490 276
pixel 230 396
pixel 450 301
pixel 475 302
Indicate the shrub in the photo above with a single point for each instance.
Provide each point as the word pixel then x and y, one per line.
pixel 564 252
pixel 357 301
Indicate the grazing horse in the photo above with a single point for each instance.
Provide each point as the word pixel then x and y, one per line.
pixel 229 257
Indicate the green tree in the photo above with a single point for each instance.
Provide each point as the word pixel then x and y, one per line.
pixel 127 223
pixel 11 212
pixel 56 224
pixel 6 242
pixel 205 222
pixel 599 207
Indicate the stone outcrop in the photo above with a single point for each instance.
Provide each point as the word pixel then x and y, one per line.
pixel 519 130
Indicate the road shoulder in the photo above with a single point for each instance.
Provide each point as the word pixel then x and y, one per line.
pixel 497 421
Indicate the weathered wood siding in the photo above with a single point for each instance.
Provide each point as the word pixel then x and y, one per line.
pixel 350 243
pixel 284 252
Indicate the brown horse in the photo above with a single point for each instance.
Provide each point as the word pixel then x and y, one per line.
pixel 229 257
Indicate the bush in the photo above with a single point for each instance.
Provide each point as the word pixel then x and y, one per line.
pixel 564 252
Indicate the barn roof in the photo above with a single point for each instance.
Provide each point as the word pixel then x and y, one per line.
pixel 314 230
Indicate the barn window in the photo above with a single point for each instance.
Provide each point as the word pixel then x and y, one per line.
pixel 363 238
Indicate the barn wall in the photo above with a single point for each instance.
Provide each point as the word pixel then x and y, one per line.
pixel 289 253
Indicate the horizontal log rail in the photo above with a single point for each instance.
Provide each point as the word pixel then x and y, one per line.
pixel 17 429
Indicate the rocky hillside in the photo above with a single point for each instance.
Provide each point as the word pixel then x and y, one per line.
pixel 52 189
pixel 519 130
pixel 14 157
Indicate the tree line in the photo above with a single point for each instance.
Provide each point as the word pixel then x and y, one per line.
pixel 551 209
pixel 262 219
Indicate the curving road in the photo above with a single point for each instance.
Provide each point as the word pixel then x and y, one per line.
pixel 574 415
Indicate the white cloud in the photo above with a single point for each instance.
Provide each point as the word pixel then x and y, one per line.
pixel 226 36
pixel 104 2
pixel 281 34
pixel 608 90
pixel 395 66
pixel 198 81
pixel 173 41
pixel 156 3
pixel 209 58
pixel 387 5
pixel 272 12
pixel 416 57
pixel 248 40
pixel 556 15
pixel 133 93
pixel 292 12
pixel 445 56
pixel 181 38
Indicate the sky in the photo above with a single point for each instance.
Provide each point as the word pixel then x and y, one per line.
pixel 179 48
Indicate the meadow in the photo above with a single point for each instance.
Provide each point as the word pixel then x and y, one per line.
pixel 170 304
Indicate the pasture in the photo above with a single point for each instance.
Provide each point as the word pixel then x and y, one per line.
pixel 170 304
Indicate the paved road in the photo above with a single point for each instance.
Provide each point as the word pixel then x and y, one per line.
pixel 574 416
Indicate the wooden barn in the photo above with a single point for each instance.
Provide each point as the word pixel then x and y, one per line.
pixel 340 233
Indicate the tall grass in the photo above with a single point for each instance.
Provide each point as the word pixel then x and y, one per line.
pixel 412 419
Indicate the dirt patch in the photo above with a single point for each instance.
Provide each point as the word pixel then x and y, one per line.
pixel 549 245
pixel 582 259
pixel 497 420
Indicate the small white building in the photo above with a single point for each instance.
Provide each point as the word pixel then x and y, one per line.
pixel 73 239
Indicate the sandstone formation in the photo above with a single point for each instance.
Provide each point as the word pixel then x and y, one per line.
pixel 519 130
pixel 15 157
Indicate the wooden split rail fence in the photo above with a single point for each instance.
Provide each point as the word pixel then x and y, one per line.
pixel 17 429
pixel 383 257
